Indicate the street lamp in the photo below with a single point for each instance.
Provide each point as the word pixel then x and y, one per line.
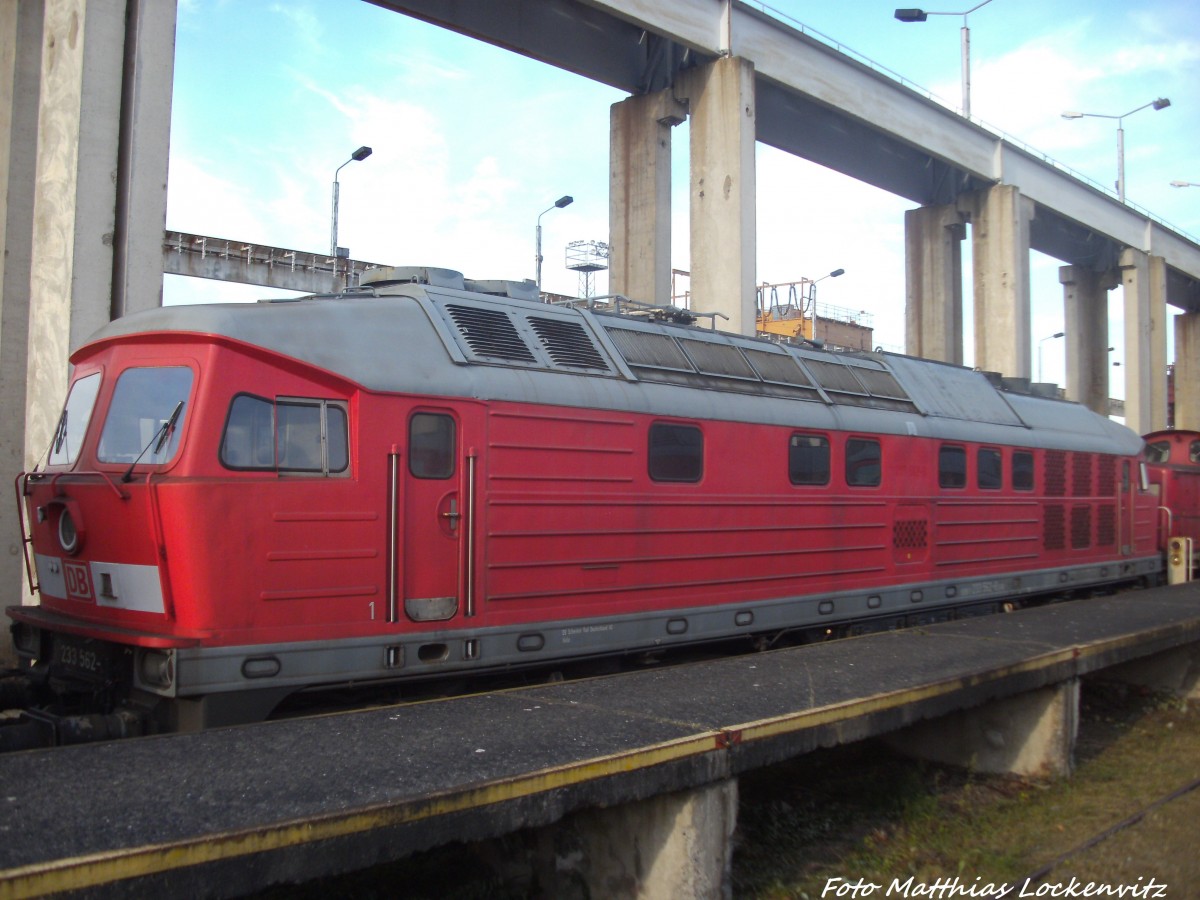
pixel 562 201
pixel 1056 334
pixel 920 15
pixel 357 156
pixel 1185 184
pixel 1160 103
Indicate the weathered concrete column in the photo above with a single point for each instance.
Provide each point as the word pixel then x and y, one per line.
pixel 721 100
pixel 1145 281
pixel 20 71
pixel 933 238
pixel 1187 371
pixel 1085 302
pixel 1031 734
pixel 639 196
pixel 1000 243
pixel 664 848
pixel 100 190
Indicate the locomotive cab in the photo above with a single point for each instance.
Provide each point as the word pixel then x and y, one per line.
pixel 1173 462
pixel 88 553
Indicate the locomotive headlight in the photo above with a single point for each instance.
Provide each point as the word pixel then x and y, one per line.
pixel 157 668
pixel 68 533
pixel 27 640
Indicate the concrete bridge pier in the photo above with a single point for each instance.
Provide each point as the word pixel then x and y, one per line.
pixel 722 179
pixel 1085 301
pixel 84 203
pixel 1144 278
pixel 1187 371
pixel 933 237
pixel 20 73
pixel 640 194
pixel 1000 220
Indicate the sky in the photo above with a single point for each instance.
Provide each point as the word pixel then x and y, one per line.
pixel 471 142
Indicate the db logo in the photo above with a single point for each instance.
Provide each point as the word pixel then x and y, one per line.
pixel 79 582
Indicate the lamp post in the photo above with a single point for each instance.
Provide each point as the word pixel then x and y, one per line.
pixel 1056 334
pixel 1160 103
pixel 920 15
pixel 1185 184
pixel 562 201
pixel 357 156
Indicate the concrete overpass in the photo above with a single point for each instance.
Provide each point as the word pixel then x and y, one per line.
pixel 742 75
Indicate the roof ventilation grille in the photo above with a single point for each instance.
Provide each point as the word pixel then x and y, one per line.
pixel 490 333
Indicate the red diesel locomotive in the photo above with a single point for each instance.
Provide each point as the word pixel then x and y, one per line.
pixel 435 475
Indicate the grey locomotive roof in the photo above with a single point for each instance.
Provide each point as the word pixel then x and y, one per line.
pixel 439 340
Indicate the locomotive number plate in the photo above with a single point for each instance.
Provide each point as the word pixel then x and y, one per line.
pixel 80 657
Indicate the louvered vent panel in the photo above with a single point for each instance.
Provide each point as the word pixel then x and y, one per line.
pixel 568 344
pixel 1106 527
pixel 780 368
pixel 1081 527
pixel 1056 473
pixel 1081 475
pixel 1108 476
pixel 490 333
pixel 1054 520
pixel 718 359
pixel 834 376
pixel 646 348
pixel 881 384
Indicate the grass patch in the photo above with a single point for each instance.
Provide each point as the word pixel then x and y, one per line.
pixel 865 812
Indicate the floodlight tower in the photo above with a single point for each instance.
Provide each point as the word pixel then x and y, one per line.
pixel 587 258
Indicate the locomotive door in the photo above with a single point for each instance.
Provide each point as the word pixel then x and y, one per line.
pixel 433 490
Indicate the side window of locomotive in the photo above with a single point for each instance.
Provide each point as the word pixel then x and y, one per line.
pixel 675 453
pixel 989 469
pixel 303 436
pixel 147 404
pixel 864 460
pixel 1022 470
pixel 1159 452
pixel 311 436
pixel 808 459
pixel 73 423
pixel 431 445
pixel 1194 452
pixel 249 439
pixel 952 467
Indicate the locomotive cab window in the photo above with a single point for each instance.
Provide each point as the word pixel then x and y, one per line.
pixel 291 436
pixel 1157 452
pixel 1194 452
pixel 864 463
pixel 145 416
pixel 676 452
pixel 1022 470
pixel 808 459
pixel 431 445
pixel 989 472
pixel 73 423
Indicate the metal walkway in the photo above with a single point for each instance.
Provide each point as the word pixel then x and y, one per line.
pixel 232 810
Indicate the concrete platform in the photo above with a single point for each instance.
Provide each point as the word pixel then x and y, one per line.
pixel 230 810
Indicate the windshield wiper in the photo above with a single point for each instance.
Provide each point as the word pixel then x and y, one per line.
pixel 60 434
pixel 158 440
